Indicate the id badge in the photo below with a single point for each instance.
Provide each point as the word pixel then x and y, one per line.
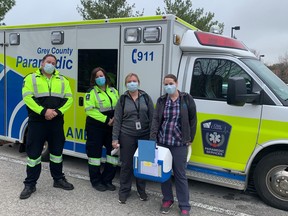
pixel 138 125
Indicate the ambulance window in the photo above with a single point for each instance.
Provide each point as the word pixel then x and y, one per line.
pixel 210 78
pixel 88 59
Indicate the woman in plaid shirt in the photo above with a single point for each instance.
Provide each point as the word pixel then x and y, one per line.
pixel 174 126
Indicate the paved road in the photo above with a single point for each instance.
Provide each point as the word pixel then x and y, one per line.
pixel 206 199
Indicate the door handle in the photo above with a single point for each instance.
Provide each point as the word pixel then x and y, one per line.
pixel 81 101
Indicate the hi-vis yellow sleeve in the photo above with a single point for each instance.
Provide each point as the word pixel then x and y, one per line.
pixel 28 93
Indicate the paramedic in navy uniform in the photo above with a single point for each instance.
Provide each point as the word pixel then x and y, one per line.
pixel 100 101
pixel 174 126
pixel 132 121
pixel 48 96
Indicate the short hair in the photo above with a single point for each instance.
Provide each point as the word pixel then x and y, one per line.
pixel 171 76
pixel 49 55
pixel 130 75
pixel 93 74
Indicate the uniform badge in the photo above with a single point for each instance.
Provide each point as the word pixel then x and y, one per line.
pixel 87 97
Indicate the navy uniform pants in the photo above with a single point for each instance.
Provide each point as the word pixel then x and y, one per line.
pixel 97 137
pixel 39 132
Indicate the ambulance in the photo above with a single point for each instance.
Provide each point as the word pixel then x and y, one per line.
pixel 242 107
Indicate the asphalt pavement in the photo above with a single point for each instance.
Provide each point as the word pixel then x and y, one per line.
pixel 205 199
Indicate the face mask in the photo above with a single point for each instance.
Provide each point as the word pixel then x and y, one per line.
pixel 49 68
pixel 100 81
pixel 132 86
pixel 170 89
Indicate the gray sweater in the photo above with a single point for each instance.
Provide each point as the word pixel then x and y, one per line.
pixel 125 118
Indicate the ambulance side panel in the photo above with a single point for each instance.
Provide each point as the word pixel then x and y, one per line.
pixel 3 107
pixel 151 61
pixel 25 58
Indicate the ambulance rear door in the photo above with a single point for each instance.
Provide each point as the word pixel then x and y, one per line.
pixel 97 46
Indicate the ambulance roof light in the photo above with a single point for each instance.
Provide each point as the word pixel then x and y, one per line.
pixel 57 37
pixel 208 39
pixel 152 34
pixel 132 35
pixel 215 29
pixel 14 38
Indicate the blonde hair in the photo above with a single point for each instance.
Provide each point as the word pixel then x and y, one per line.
pixel 130 75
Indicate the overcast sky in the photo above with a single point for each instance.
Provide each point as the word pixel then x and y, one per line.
pixel 263 23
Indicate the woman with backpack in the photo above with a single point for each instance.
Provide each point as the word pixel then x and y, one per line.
pixel 132 121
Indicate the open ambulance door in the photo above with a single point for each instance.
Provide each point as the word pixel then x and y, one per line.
pixel 96 47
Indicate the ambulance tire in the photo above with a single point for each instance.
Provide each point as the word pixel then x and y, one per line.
pixel 45 153
pixel 271 175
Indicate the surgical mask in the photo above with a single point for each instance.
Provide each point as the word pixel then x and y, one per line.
pixel 170 89
pixel 132 86
pixel 49 68
pixel 100 81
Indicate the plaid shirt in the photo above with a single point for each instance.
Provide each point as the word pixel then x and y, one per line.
pixel 170 132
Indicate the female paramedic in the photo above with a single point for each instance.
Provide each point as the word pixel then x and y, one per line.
pixel 174 127
pixel 133 117
pixel 100 101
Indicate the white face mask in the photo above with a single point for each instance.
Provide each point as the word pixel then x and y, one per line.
pixel 132 86
pixel 49 68
pixel 170 89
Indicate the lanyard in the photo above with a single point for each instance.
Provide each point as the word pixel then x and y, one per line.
pixel 137 108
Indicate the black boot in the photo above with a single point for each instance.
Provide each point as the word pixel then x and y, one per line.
pixel 100 187
pixel 63 183
pixel 110 186
pixel 27 191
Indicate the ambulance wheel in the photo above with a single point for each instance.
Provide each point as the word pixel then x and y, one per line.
pixel 271 179
pixel 45 153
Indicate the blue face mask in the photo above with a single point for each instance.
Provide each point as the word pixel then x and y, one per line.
pixel 132 86
pixel 49 68
pixel 100 81
pixel 170 89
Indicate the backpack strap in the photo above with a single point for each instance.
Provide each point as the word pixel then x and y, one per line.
pixel 123 100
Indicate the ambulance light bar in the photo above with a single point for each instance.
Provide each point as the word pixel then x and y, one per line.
pixel 132 35
pixel 152 34
pixel 208 39
pixel 14 38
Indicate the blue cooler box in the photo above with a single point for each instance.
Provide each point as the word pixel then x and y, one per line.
pixel 159 169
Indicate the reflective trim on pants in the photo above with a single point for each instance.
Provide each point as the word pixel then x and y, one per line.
pixel 112 160
pixel 94 161
pixel 56 159
pixel 32 162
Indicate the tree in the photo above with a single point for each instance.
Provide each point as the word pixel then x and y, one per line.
pixel 183 9
pixel 281 68
pixel 103 9
pixel 5 6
